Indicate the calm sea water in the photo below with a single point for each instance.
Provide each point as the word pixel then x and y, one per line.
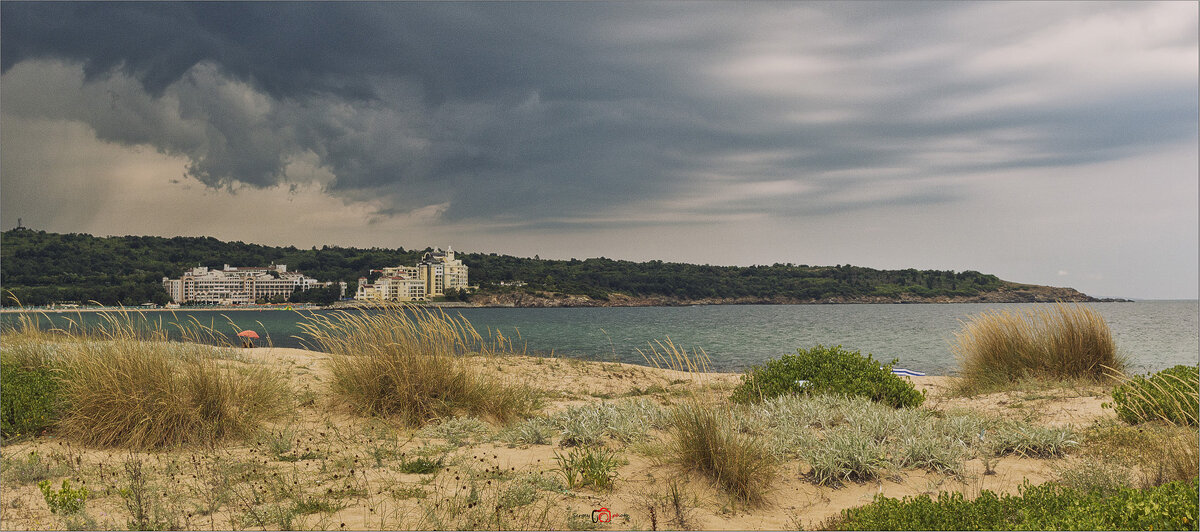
pixel 1152 334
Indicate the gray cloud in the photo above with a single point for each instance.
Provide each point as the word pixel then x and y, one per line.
pixel 537 113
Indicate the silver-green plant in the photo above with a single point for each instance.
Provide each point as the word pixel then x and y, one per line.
pixel 458 431
pixel 538 430
pixel 847 455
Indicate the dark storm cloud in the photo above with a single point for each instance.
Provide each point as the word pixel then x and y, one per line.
pixel 537 112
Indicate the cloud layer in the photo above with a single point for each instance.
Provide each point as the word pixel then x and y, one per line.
pixel 873 133
pixel 541 113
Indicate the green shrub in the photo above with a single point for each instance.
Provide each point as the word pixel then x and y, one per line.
pixel 1046 507
pixel 64 501
pixel 1170 395
pixel 827 370
pixel 30 399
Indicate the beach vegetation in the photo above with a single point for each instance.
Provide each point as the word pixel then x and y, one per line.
pixel 1175 456
pixel 847 455
pixel 1048 506
pixel 30 396
pixel 588 466
pixel 410 363
pixel 705 439
pixel 852 439
pixel 29 468
pixel 1054 342
pixel 458 431
pixel 538 430
pixel 421 465
pixel 121 384
pixel 145 395
pixel 1171 395
pixel 827 370
pixel 626 421
pixel 65 500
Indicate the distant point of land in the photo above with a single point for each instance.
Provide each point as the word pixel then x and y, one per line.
pixel 41 268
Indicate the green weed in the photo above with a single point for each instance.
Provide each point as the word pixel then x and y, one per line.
pixel 588 466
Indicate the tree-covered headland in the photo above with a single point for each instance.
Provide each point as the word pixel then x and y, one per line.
pixel 39 268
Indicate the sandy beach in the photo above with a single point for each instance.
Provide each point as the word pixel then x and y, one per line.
pixel 332 450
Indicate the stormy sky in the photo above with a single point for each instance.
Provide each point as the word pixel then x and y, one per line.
pixel 1050 143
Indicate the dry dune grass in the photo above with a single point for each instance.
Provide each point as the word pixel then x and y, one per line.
pixel 1058 342
pixel 706 440
pixel 147 395
pixel 122 384
pixel 408 362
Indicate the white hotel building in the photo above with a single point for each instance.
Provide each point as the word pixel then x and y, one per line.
pixel 237 285
pixel 437 271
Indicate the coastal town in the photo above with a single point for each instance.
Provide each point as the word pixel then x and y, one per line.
pixel 436 273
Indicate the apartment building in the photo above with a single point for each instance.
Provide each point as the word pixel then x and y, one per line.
pixel 234 285
pixel 436 271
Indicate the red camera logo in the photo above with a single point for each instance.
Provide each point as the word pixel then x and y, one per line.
pixel 603 515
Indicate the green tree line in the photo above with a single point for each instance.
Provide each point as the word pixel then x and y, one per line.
pixel 40 267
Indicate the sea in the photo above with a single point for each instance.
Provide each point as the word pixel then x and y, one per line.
pixel 1152 335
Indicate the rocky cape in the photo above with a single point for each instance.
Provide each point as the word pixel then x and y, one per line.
pixel 1009 293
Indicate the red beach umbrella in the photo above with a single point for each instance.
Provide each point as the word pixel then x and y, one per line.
pixel 248 334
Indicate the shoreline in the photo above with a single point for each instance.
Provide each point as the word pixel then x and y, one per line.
pixel 239 308
pixel 564 303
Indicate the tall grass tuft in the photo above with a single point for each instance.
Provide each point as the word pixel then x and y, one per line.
pixel 1047 342
pixel 409 362
pixel 123 384
pixel 1178 459
pixel 147 395
pixel 1171 395
pixel 706 440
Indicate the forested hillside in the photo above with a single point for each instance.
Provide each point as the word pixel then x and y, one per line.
pixel 40 267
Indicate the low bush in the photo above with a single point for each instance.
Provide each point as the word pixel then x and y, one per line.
pixel 1092 474
pixel 1046 507
pixel 533 431
pixel 458 431
pixel 1171 395
pixel 29 399
pixel 1177 459
pixel 827 370
pixel 997 348
pixel 66 500
pixel 706 440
